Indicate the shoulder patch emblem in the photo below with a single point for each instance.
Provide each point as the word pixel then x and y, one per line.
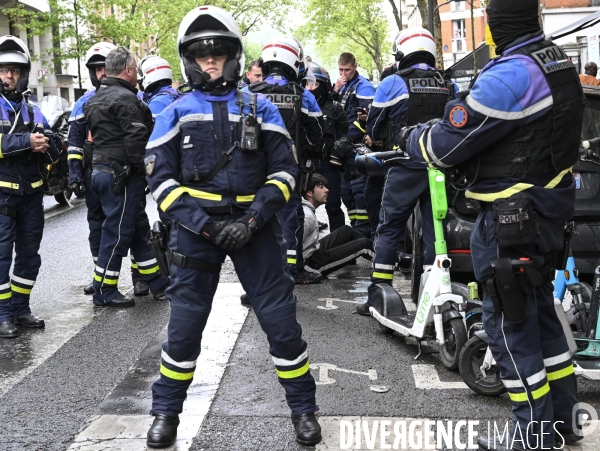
pixel 131 108
pixel 458 116
pixel 149 161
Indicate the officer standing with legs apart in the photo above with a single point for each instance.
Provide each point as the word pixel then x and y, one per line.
pixel 27 146
pixel 120 125
pixel 416 93
pixel 517 135
pixel 326 159
pixel 219 162
pixel 80 161
pixel 355 93
pixel 282 58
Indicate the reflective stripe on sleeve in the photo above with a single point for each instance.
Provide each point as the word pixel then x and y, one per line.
pixel 177 192
pixel 357 125
pixel 74 156
pixel 282 186
pixel 248 198
pixel 37 184
pixel 163 186
pixel 285 176
pixel 14 186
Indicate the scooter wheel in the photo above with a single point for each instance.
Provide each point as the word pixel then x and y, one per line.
pixel 455 337
pixel 471 359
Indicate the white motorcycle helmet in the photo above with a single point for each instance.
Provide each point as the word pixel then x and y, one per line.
pixel 414 45
pixel 153 69
pixel 14 51
pixel 209 30
pixel 96 56
pixel 284 54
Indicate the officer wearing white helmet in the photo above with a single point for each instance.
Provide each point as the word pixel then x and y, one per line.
pixel 282 61
pixel 415 94
pixel 219 163
pixel 80 161
pixel 155 80
pixel 27 146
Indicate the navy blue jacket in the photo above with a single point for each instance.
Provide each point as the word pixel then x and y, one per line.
pixel 361 95
pixel 19 165
pixel 78 131
pixel 191 134
pixel 510 92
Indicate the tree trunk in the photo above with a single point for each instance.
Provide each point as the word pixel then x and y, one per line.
pixel 472 3
pixel 422 5
pixel 397 17
pixel 437 22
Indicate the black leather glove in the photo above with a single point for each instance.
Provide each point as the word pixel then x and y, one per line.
pixel 238 233
pixel 212 229
pixel 78 188
pixel 404 135
pixel 340 148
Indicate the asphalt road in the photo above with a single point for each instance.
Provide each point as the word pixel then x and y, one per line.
pixel 84 382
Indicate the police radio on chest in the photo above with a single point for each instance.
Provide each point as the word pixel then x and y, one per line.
pixel 249 126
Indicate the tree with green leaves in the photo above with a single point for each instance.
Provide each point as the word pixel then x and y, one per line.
pixel 360 26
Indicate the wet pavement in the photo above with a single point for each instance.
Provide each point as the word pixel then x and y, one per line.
pixel 84 382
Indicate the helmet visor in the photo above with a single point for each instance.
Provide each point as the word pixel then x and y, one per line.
pixel 210 47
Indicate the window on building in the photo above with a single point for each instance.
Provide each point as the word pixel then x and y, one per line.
pixel 457 6
pixel 459 34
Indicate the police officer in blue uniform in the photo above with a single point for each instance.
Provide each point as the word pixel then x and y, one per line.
pixel 120 125
pixel 355 93
pixel 516 135
pixel 220 164
pixel 282 61
pixel 156 78
pixel 26 148
pixel 416 93
pixel 326 159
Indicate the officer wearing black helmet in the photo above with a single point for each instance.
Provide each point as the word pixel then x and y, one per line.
pixel 326 159
pixel 219 163
pixel 516 136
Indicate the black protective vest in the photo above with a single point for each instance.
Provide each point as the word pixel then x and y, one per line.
pixel 428 93
pixel 288 100
pixel 332 118
pixel 551 143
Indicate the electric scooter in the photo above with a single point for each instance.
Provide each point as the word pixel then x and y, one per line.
pixel 438 306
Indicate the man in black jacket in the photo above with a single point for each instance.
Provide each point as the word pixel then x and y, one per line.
pixel 120 125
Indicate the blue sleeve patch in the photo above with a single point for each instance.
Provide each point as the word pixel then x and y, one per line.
pixel 502 86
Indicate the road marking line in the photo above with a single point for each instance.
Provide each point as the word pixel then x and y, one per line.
pixel 427 378
pixel 128 432
pixel 329 303
pixel 325 368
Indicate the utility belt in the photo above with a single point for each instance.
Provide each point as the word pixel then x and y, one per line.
pixel 10 212
pixel 224 210
pixel 121 174
pixel 516 225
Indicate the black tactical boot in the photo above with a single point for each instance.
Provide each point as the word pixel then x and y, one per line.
pixel 29 320
pixel 363 309
pixel 8 330
pixel 121 301
pixel 308 430
pixel 305 277
pixel 163 431
pixel 245 299
pixel 89 289
pixel 141 288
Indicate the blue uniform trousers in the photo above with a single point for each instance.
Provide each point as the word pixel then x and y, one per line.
pixel 348 200
pixel 403 188
pixel 533 356
pixel 360 207
pixel 291 217
pixel 260 266
pixel 373 194
pixel 333 207
pixel 125 227
pixel 24 233
pixel 95 218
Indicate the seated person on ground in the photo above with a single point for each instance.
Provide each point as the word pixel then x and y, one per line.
pixel 339 248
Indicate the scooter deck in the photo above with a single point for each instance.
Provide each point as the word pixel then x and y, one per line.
pixel 404 320
pixel 590 369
